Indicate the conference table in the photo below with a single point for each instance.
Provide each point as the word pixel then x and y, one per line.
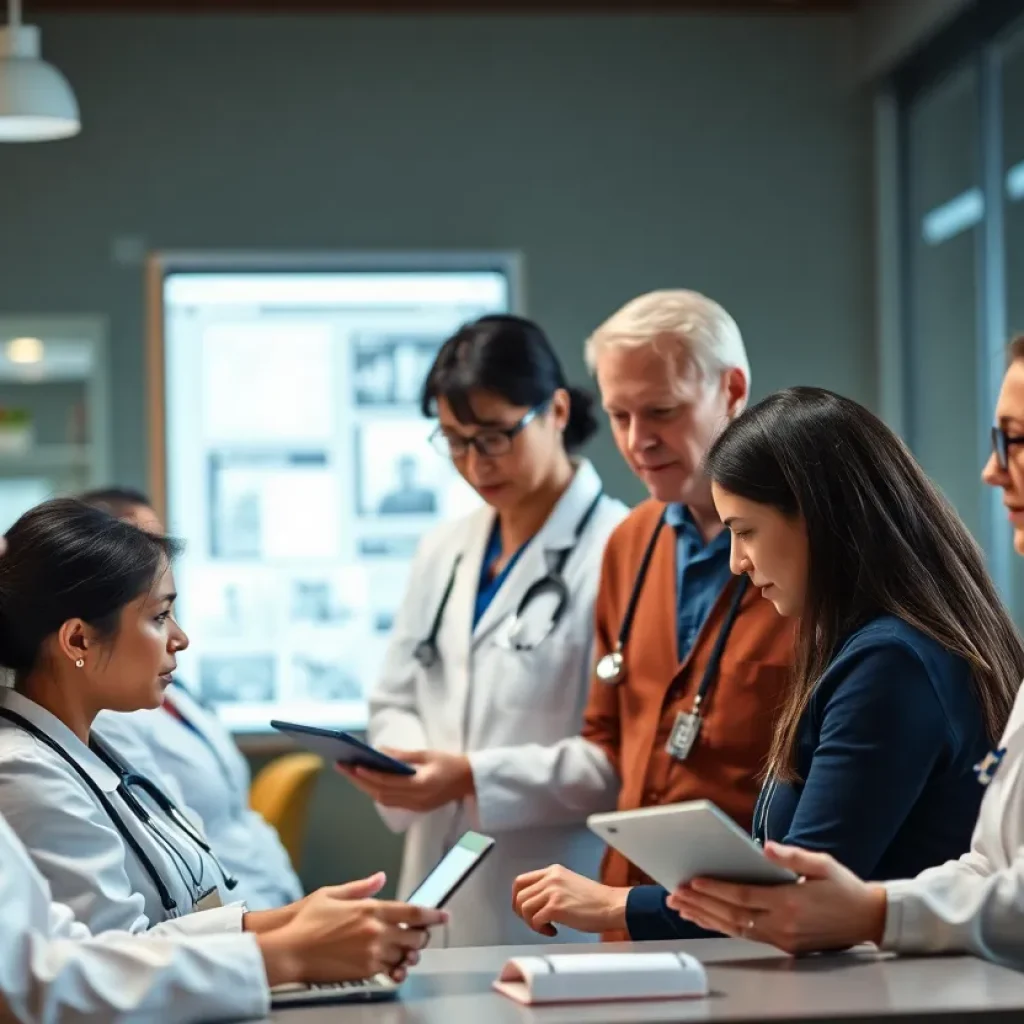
pixel 748 982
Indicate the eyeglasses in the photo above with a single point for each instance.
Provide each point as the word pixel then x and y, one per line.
pixel 1001 444
pixel 491 443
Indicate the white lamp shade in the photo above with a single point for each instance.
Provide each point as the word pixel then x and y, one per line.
pixel 36 102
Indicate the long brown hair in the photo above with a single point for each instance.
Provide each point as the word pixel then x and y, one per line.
pixel 881 540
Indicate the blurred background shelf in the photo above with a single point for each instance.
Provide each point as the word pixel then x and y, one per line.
pixel 54 409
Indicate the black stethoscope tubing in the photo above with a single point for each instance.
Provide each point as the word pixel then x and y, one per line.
pixel 126 779
pixel 426 651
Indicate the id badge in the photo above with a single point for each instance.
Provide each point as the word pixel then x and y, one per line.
pixel 209 900
pixel 683 736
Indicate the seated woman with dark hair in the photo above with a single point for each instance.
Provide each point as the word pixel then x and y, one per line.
pixel 192 753
pixel 907 664
pixel 87 625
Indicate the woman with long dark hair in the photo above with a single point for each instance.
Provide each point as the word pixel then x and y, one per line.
pixel 907 664
pixel 488 667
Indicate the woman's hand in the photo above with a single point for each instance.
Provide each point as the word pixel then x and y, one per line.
pixel 440 779
pixel 335 935
pixel 829 908
pixel 555 895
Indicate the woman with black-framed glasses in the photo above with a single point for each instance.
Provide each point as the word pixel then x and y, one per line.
pixel 487 670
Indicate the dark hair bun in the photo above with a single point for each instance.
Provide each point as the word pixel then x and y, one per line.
pixel 508 356
pixel 68 560
pixel 582 425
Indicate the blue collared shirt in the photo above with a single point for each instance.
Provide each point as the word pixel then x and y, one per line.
pixel 702 572
pixel 488 585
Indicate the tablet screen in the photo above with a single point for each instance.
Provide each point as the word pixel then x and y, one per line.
pixel 457 864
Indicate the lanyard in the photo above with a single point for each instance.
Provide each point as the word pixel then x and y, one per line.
pixel 638 586
pixel 715 658
pixel 687 725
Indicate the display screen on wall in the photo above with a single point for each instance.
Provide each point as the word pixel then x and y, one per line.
pixel 299 475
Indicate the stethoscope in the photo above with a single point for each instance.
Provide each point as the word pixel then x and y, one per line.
pixel 553 582
pixel 764 809
pixel 127 779
pixel 612 667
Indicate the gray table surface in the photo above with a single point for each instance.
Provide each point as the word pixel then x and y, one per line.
pixel 749 982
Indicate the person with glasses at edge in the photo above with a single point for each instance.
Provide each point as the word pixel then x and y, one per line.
pixel 692 665
pixel 487 668
pixel 192 754
pixel 972 904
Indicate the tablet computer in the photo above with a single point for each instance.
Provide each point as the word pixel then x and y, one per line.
pixel 340 746
pixel 434 891
pixel 680 842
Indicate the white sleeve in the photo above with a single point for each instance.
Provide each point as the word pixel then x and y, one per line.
pixel 251 850
pixel 52 968
pixel 395 719
pixel 532 784
pixel 226 920
pixel 71 843
pixel 974 904
pixel 953 908
pixel 141 977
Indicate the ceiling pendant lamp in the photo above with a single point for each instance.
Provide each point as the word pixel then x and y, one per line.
pixel 36 101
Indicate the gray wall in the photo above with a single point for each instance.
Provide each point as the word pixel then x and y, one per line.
pixel 617 155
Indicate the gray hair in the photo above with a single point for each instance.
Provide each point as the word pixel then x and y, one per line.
pixel 683 322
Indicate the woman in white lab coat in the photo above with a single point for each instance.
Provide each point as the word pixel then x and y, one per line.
pixel 478 690
pixel 193 754
pixel 86 624
pixel 52 968
pixel 971 905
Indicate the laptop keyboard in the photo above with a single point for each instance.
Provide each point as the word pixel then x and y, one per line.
pixel 335 986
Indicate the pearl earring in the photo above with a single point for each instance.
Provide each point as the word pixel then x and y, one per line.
pixel 80 663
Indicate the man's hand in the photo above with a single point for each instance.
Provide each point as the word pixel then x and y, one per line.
pixel 440 778
pixel 556 895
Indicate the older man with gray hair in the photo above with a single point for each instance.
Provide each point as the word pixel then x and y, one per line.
pixel 690 661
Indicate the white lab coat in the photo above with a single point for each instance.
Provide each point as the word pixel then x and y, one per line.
pixel 52 968
pixel 213 777
pixel 974 904
pixel 78 849
pixel 517 714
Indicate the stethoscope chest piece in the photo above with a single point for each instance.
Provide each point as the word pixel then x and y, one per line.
pixel 425 653
pixel 611 668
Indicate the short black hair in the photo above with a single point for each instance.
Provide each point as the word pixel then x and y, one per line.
pixel 118 501
pixel 69 560
pixel 509 356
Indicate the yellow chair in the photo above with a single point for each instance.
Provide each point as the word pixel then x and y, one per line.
pixel 281 793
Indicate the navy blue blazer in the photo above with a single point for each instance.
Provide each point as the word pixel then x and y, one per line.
pixel 886 751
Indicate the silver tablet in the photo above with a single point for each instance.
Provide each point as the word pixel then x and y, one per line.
pixel 680 842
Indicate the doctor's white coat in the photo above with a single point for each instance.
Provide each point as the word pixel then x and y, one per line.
pixel 52 969
pixel 78 849
pixel 204 765
pixel 517 714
